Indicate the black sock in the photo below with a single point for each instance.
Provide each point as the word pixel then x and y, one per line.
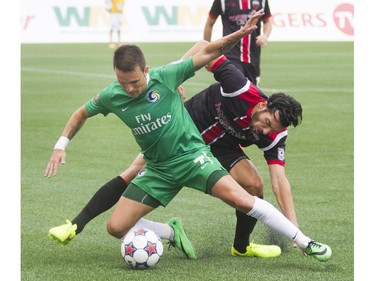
pixel 245 225
pixel 106 197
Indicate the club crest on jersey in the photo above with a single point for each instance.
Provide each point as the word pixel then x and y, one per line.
pixel 281 154
pixel 153 96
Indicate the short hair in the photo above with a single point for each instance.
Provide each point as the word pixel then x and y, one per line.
pixel 289 108
pixel 127 57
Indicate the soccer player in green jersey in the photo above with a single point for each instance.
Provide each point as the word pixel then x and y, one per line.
pixel 148 102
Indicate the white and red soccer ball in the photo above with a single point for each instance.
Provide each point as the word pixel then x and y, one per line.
pixel 142 248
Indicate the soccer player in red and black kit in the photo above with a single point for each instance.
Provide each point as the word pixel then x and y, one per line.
pixel 234 14
pixel 224 113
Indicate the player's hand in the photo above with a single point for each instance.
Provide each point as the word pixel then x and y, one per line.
pixel 57 157
pixel 261 40
pixel 251 24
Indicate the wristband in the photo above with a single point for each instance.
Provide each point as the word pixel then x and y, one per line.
pixel 62 143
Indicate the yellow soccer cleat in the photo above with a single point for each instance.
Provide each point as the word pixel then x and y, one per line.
pixel 63 233
pixel 260 251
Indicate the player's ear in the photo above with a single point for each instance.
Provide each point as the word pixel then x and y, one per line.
pixel 145 70
pixel 263 105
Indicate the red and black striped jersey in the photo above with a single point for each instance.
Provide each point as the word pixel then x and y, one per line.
pixel 222 113
pixel 234 14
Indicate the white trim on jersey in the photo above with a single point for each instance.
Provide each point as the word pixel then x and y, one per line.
pixel 219 137
pixel 275 141
pixel 240 118
pixel 209 128
pixel 223 6
pixel 238 92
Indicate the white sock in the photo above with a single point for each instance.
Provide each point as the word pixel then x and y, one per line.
pixel 163 230
pixel 271 217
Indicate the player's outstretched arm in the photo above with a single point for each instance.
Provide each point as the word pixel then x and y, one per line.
pixel 262 39
pixel 197 47
pixel 207 33
pixel 219 47
pixel 74 124
pixel 283 193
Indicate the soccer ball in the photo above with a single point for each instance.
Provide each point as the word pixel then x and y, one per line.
pixel 141 248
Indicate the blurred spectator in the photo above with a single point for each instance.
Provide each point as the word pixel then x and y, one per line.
pixel 115 9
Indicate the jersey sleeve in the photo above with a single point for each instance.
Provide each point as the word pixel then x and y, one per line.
pixel 175 73
pixel 215 10
pixel 96 105
pixel 274 153
pixel 267 11
pixel 231 79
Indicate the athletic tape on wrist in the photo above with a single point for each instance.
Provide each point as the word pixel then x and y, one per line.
pixel 62 143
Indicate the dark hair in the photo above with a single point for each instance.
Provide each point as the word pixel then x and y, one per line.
pixel 127 57
pixel 290 109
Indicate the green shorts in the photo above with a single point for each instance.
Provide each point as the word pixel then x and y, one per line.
pixel 199 170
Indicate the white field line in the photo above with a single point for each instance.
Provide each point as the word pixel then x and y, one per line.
pixel 63 72
pixel 203 85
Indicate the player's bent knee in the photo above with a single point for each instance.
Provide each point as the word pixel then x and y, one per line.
pixel 115 230
pixel 254 187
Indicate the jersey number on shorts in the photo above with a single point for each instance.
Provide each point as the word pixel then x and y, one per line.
pixel 203 160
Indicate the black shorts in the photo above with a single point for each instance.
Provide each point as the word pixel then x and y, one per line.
pixel 228 154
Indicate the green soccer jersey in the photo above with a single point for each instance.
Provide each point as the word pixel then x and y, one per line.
pixel 157 118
